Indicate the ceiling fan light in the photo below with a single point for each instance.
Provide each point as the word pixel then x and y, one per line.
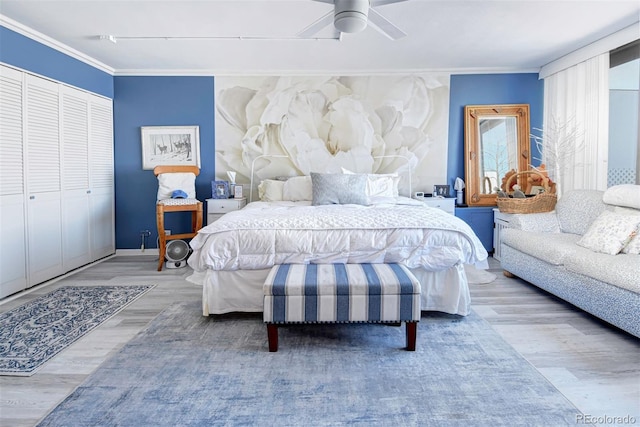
pixel 350 21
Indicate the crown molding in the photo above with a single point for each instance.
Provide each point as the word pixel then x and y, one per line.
pixel 54 44
pixel 337 72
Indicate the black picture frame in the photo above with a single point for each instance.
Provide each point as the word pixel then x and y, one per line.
pixel 219 189
pixel 442 190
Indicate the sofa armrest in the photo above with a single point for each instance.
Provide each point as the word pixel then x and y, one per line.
pixel 546 222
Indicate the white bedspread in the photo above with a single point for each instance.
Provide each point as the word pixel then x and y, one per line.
pixel 264 234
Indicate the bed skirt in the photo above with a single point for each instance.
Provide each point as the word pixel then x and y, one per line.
pixel 224 291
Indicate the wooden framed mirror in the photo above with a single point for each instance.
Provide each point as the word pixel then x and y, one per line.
pixel 496 141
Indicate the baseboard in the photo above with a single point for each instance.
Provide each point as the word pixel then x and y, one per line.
pixel 137 252
pixel 55 279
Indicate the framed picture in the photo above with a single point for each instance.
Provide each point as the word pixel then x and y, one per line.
pixel 219 189
pixel 170 145
pixel 441 190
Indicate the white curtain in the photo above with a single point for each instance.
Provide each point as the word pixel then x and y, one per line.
pixel 576 125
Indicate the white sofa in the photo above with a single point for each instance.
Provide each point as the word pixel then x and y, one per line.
pixel 547 250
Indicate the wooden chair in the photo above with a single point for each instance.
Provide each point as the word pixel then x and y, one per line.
pixel 176 205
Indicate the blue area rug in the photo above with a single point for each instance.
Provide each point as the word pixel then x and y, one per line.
pixel 189 370
pixel 38 330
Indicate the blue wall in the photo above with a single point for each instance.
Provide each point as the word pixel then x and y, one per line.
pixel 164 101
pixel 156 101
pixel 479 89
pixel 24 53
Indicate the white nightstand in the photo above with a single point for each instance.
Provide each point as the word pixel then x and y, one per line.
pixel 447 205
pixel 500 222
pixel 218 207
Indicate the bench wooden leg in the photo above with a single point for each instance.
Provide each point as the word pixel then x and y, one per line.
pixel 272 333
pixel 412 331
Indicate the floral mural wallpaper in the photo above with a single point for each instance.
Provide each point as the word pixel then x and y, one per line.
pixel 326 123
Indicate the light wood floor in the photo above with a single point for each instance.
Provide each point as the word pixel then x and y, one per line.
pixel 596 366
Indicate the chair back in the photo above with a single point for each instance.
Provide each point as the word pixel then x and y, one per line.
pixel 176 169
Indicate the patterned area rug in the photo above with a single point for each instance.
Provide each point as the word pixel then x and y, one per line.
pixel 190 370
pixel 33 333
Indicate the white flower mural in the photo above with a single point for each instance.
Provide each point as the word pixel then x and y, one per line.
pixel 325 123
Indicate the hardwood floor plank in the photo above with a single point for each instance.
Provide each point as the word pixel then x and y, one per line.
pixel 596 366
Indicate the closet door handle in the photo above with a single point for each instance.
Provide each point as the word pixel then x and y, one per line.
pixel 32 197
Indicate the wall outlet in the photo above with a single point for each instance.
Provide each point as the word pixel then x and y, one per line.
pixel 167 232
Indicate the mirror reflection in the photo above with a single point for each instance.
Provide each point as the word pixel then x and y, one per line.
pixel 496 141
pixel 498 155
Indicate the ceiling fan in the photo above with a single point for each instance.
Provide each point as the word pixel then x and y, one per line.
pixel 352 16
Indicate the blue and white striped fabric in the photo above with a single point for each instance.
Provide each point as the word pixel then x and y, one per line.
pixel 341 293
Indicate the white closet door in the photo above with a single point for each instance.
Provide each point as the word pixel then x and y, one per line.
pixel 101 199
pixel 13 249
pixel 75 178
pixel 44 211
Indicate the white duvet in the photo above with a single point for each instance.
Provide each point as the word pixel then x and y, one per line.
pixel 267 233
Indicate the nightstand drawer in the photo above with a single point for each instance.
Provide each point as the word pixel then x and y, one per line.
pixel 447 205
pixel 218 207
pixel 225 205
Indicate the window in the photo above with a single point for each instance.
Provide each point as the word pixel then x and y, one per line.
pixel 624 102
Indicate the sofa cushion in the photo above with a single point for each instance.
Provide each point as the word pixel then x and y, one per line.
pixel 550 247
pixel 577 209
pixel 621 270
pixel 545 222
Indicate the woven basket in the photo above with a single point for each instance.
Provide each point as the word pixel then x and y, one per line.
pixel 543 202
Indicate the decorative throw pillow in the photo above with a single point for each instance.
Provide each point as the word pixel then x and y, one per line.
pixel 271 190
pixel 633 247
pixel 380 185
pixel 335 188
pixel 297 188
pixel 169 182
pixel 623 195
pixel 610 232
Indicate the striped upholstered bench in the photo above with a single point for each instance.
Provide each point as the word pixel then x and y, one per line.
pixel 341 293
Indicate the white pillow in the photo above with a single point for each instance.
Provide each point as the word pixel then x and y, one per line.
pixel 270 190
pixel 610 232
pixel 169 182
pixel 297 188
pixel 623 195
pixel 380 185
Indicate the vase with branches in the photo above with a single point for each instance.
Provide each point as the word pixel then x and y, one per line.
pixel 558 145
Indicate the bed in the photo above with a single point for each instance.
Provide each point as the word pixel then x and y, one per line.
pixel 232 256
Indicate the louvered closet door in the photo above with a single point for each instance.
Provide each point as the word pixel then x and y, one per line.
pixel 13 249
pixel 101 199
pixel 74 112
pixel 44 211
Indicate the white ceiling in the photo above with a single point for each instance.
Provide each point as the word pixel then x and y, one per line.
pixel 452 35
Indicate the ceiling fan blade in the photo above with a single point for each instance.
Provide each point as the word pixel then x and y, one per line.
pixel 318 25
pixel 383 25
pixel 375 3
